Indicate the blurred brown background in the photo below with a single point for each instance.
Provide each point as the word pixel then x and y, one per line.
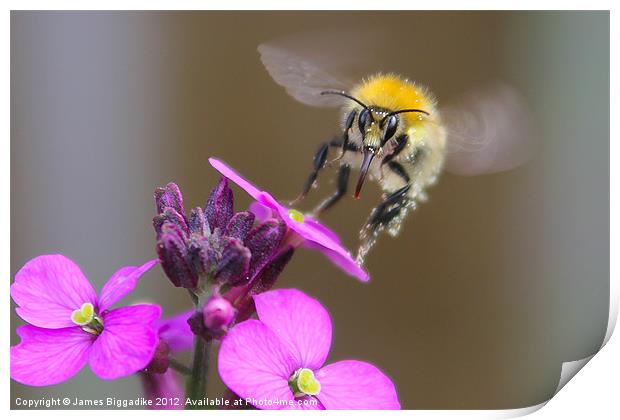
pixel 493 283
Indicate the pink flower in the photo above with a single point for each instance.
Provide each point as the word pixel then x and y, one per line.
pixel 175 331
pixel 310 232
pixel 277 361
pixel 71 326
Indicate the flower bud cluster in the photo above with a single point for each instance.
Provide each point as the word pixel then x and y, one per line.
pixel 212 250
pixel 212 244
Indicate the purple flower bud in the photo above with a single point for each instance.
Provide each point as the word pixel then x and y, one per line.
pixel 202 256
pixel 219 208
pixel 197 222
pixel 218 313
pixel 240 225
pixel 264 281
pixel 170 215
pixel 172 253
pixel 172 228
pixel 213 245
pixel 169 196
pixel 271 271
pixel 161 360
pixel 233 265
pixel 196 324
pixel 262 241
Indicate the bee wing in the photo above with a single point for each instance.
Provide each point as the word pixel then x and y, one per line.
pixel 302 79
pixel 489 130
pixel 309 64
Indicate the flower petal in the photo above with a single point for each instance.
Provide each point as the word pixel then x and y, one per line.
pixel 308 231
pixel 254 363
pixel 121 283
pixel 314 234
pixel 354 385
pixel 311 231
pixel 175 331
pixel 342 259
pixel 318 236
pixel 323 230
pixel 48 357
pixel 222 168
pixel 300 321
pixel 48 289
pixel 261 211
pixel 127 343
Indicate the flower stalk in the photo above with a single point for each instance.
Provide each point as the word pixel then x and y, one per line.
pixel 196 388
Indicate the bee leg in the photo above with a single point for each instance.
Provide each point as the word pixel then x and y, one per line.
pixel 318 163
pixel 398 169
pixel 345 136
pixel 386 212
pixel 341 189
pixel 390 215
pixel 391 207
pixel 399 144
pixel 388 209
pixel 344 145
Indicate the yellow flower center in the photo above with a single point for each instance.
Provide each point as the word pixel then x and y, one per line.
pixel 296 215
pixel 86 318
pixel 303 382
pixel 84 315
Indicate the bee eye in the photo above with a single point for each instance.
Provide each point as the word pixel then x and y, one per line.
pixel 390 130
pixel 363 120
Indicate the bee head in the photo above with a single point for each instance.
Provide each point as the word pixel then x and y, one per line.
pixel 376 126
pixel 370 127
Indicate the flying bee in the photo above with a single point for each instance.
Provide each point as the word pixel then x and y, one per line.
pixel 394 133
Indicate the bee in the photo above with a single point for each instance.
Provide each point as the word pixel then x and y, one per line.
pixel 394 133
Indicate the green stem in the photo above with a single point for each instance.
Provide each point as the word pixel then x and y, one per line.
pixel 196 388
pixel 179 367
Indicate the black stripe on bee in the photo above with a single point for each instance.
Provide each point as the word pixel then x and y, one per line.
pixel 398 169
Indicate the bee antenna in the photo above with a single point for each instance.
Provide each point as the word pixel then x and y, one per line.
pixel 402 111
pixel 346 95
